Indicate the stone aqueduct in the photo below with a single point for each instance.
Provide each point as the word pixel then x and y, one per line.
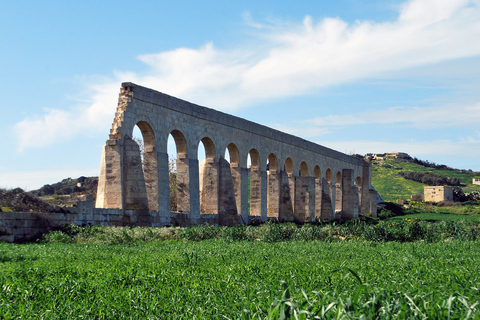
pixel 288 178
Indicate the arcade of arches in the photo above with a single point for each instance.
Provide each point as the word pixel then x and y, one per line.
pixel 249 170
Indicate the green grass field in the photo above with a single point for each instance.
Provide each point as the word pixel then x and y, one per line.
pixel 437 217
pixel 270 275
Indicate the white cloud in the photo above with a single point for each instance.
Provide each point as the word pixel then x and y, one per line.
pixel 282 62
pixel 420 117
pixel 293 61
pixel 60 125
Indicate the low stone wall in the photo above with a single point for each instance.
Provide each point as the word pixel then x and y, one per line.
pixel 27 226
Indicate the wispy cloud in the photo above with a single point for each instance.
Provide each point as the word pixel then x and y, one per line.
pixel 419 117
pixel 282 62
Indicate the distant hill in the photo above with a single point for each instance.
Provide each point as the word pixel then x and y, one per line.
pixel 68 191
pixel 389 177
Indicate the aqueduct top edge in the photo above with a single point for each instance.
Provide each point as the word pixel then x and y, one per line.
pixel 154 97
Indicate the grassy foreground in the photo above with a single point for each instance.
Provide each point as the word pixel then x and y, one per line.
pixel 224 279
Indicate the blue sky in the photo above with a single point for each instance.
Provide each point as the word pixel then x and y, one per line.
pixel 357 76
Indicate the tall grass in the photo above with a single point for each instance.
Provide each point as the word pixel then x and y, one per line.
pixel 398 229
pixel 220 279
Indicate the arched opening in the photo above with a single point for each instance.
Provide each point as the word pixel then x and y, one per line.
pixel 232 156
pixel 303 204
pixel 358 182
pixel 289 166
pixel 255 183
pixel 208 176
pixel 316 172
pixel 273 186
pixel 287 191
pixel 178 172
pixel 141 175
pixel 303 169
pixel 328 176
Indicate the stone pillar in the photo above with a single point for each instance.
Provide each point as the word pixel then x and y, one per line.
pixel 293 192
pixel 255 191
pixel 227 215
pixel 150 170
pixel 135 191
pixel 300 203
pixel 304 199
pixel 327 207
pixel 286 206
pixel 318 199
pixel 110 190
pixel 338 198
pixel 368 204
pixel 333 195
pixel 236 174
pixel 209 187
pixel 183 183
pixel 311 199
pixel 194 188
pixel 164 183
pixel 244 212
pixel 273 199
pixel 264 195
pixel 349 195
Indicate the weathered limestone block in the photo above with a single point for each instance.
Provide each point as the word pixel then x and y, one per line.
pixel 349 195
pixel 209 185
pixel 304 199
pixel 328 212
pixel 228 214
pixel 273 198
pixel 286 203
pixel 255 192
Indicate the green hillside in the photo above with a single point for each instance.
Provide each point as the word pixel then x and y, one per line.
pixel 392 186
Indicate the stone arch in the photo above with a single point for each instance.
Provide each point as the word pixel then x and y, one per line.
pixel 230 188
pixel 287 191
pixel 210 150
pixel 181 191
pixel 316 172
pixel 338 179
pixel 180 143
pixel 208 178
pixel 358 182
pixel 273 186
pixel 272 163
pixel 303 169
pixel 234 154
pixel 328 175
pixel 255 174
pixel 289 168
pixel 150 164
pixel 254 158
